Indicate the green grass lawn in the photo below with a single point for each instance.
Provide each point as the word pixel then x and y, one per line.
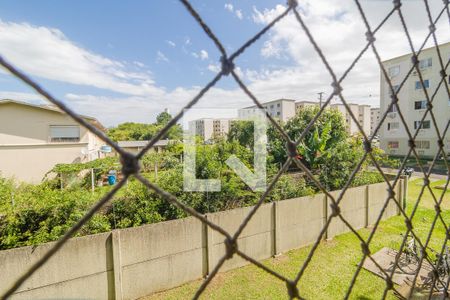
pixel 332 267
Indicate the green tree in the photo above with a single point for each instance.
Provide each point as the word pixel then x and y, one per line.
pixel 130 131
pixel 163 118
pixel 242 132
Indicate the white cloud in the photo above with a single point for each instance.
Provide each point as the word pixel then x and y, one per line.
pixel 53 56
pixel 171 43
pixel 20 96
pixel 229 7
pixel 139 64
pixel 160 57
pixel 271 49
pixel 340 33
pixel 214 68
pixel 239 14
pixel 203 55
pixel 336 26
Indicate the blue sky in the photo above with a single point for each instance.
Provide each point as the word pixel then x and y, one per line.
pixel 126 61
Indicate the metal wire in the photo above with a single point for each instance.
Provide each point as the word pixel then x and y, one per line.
pixel 130 162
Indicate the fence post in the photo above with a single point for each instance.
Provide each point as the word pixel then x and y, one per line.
pixel 209 248
pixel 405 191
pixel 325 215
pixel 206 249
pixel 117 264
pixel 366 204
pixel 276 229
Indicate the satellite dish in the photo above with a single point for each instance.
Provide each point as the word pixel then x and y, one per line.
pixel 105 149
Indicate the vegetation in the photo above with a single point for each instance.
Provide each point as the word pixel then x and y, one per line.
pixel 142 132
pixel 32 214
pixel 331 269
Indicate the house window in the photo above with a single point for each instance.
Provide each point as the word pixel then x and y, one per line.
pixel 422 144
pixel 426 83
pixel 394 71
pixel 425 63
pixel 65 134
pixel 393 125
pixel 420 104
pixel 393 144
pixel 425 124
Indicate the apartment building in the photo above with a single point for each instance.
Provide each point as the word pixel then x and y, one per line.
pixel 413 104
pixel 361 112
pixel 209 128
pixel 281 109
pixel 374 119
pixel 302 104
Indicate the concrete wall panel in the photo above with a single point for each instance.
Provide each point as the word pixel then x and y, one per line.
pixel 353 209
pixel 299 221
pixel 256 240
pixel 81 262
pixel 160 256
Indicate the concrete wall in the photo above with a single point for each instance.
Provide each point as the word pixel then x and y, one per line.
pixel 82 269
pixel 131 263
pixel 299 221
pixel 159 256
pixel 256 240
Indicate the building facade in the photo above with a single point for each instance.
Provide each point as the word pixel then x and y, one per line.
pixel 33 139
pixel 361 112
pixel 208 128
pixel 302 104
pixel 413 104
pixel 281 109
pixel 374 119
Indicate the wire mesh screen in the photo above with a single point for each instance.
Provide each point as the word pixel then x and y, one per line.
pixel 131 166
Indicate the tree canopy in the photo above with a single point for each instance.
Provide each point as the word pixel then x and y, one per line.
pixel 130 131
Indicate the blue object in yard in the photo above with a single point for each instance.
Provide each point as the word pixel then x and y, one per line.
pixel 112 179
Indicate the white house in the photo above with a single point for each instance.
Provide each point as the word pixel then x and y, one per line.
pixel 34 138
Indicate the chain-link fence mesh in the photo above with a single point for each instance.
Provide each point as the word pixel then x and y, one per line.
pixel 130 162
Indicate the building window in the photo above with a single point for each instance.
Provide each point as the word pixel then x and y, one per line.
pixel 425 124
pixel 278 113
pixel 420 104
pixel 392 109
pixel 425 63
pixel 426 83
pixel 393 125
pixel 422 144
pixel 394 71
pixel 278 105
pixel 393 144
pixel 64 134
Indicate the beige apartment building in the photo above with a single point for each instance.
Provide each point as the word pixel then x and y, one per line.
pixel 281 109
pixel 374 119
pixel 209 128
pixel 302 104
pixel 33 139
pixel 361 112
pixel 413 104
